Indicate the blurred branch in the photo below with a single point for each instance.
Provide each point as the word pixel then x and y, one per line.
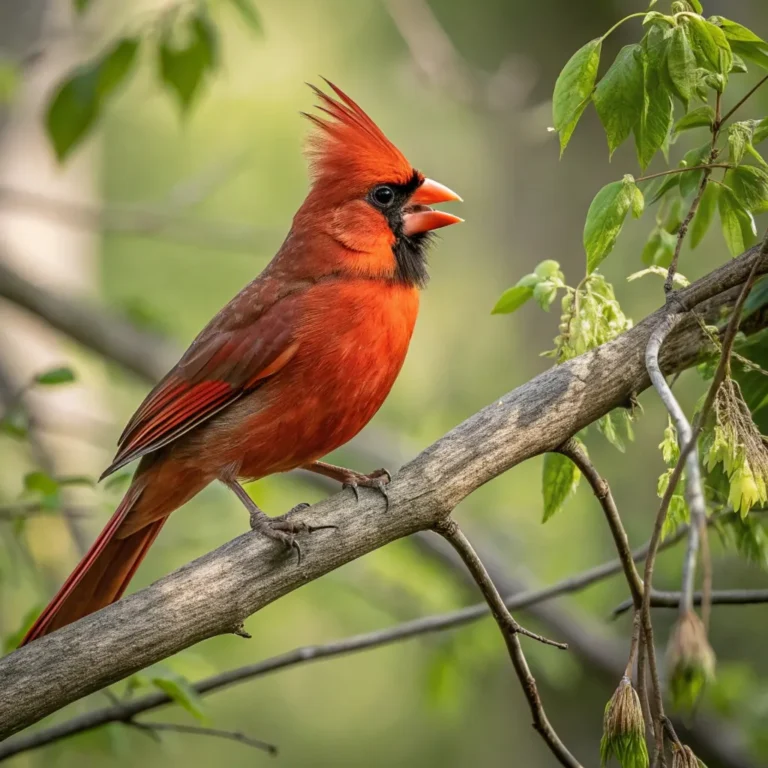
pixel 719 597
pixel 139 221
pixel 198 730
pixel 437 60
pixel 168 219
pixel 510 630
pixel 215 593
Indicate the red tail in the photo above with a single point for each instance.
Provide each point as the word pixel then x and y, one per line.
pixel 103 574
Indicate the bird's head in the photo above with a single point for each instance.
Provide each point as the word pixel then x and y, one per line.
pixel 368 197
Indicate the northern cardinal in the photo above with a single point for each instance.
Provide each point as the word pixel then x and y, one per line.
pixel 293 367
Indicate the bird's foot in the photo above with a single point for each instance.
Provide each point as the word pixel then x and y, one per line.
pixel 284 530
pixel 377 480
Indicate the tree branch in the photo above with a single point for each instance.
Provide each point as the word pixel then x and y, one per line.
pixel 215 593
pixel 719 597
pixel 510 630
pixel 198 730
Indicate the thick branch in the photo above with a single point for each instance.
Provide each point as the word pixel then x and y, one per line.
pixel 215 593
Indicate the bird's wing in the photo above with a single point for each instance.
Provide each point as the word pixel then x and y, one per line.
pixel 227 360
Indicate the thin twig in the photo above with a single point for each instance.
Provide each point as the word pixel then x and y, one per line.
pixel 602 492
pixel 510 630
pixel 705 167
pixel 718 597
pixel 740 103
pixel 669 283
pixel 200 730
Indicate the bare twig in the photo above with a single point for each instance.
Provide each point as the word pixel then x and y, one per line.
pixel 199 730
pixel 741 102
pixel 510 630
pixel 718 597
pixel 669 283
pixel 602 492
pixel 671 172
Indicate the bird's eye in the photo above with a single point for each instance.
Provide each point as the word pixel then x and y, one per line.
pixel 383 196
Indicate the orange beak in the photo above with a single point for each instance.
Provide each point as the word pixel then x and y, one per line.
pixel 419 217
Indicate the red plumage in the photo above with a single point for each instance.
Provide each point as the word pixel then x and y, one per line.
pixel 293 367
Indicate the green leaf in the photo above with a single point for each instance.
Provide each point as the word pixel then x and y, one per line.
pixel 652 129
pixel 704 214
pixel 573 89
pixel 738 66
pixel 74 109
pixel 739 136
pixel 690 180
pixel 750 185
pixel 40 482
pixel 696 5
pixel 737 222
pixel 248 13
pixel 704 45
pixel 559 480
pixel 619 96
pixel 178 688
pixel 15 422
pixel 638 202
pixel 512 299
pixel 605 220
pixel 118 481
pixel 549 269
pixel 696 118
pixel 681 64
pixel 751 52
pixel 63 375
pixel 660 248
pixel 761 131
pixel 183 67
pixel 671 181
pixel 81 5
pixel 736 32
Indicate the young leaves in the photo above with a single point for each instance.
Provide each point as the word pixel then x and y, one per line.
pixel 652 129
pixel 618 97
pixel 573 89
pixel 542 284
pixel 559 480
pixel 183 66
pixel 248 12
pixel 606 216
pixel 705 213
pixel 738 224
pixel 681 64
pixel 78 101
pixel 696 118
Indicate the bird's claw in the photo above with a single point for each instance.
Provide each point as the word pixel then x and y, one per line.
pixel 284 531
pixel 377 480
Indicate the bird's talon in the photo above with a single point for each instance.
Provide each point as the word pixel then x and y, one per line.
pixel 353 486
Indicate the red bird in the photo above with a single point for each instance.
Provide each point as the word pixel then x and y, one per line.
pixel 293 367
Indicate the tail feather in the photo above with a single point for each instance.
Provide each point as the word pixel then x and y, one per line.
pixel 103 574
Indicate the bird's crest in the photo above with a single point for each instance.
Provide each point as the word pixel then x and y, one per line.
pixel 350 144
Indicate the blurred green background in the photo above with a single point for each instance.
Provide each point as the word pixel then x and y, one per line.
pixel 229 179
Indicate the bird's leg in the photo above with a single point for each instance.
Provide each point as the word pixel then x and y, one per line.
pixel 348 478
pixel 276 528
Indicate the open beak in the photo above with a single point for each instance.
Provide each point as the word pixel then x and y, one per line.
pixel 419 217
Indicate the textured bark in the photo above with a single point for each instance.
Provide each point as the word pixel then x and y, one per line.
pixel 215 593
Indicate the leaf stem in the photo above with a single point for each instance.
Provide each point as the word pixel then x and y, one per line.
pixel 626 18
pixel 707 167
